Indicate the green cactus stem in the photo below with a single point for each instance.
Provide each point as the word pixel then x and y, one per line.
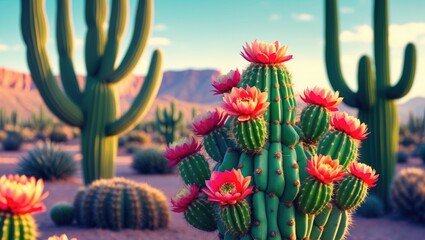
pixel 351 192
pixel 236 218
pixel 216 143
pixel 168 122
pixel 194 169
pixel 375 96
pixel 201 215
pixel 250 135
pixel 17 227
pixel 312 187
pixel 314 122
pixel 95 110
pixel 320 221
pixel 335 220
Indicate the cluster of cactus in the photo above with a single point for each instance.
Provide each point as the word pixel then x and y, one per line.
pixel 375 98
pixel 119 203
pixel 150 160
pixel 408 193
pixel 96 109
pixel 168 122
pixel 259 149
pixel 48 162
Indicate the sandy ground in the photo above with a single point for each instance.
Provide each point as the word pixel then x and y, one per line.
pixel 389 227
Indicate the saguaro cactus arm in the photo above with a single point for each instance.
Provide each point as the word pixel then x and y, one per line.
pixel 117 23
pixel 405 83
pixel 34 31
pixel 95 38
pixel 138 42
pixel 143 99
pixel 366 83
pixel 65 49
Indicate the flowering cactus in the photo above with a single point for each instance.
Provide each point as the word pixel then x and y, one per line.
pixel 20 197
pixel 226 82
pixel 269 183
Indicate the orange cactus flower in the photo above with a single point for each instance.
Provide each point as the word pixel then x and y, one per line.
pixel 21 195
pixel 208 122
pixel 341 121
pixel 365 173
pixel 61 237
pixel 322 97
pixel 184 197
pixel 246 103
pixel 225 83
pixel 181 149
pixel 324 169
pixel 266 53
pixel 228 187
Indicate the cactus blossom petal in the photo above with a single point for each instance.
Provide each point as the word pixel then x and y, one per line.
pixel 228 187
pixel 324 169
pixel 61 237
pixel 322 97
pixel 181 149
pixel 365 173
pixel 245 103
pixel 184 198
pixel 21 195
pixel 225 83
pixel 208 122
pixel 266 53
pixel 341 121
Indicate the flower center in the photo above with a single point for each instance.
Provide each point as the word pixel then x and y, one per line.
pixel 227 188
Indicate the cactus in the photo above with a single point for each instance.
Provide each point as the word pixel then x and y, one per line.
pixel 62 213
pixel 408 193
pixel 119 203
pixel 39 121
pixel 17 227
pixel 371 208
pixel 168 122
pixel 375 96
pixel 3 119
pixel 292 192
pixel 150 160
pixel 96 109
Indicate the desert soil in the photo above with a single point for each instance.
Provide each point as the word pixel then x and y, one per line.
pixel 386 228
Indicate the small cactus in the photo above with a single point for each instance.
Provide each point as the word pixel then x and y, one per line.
pixel 371 208
pixel 62 213
pixel 150 161
pixel 168 122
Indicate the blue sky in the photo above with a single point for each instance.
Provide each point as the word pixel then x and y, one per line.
pixel 208 34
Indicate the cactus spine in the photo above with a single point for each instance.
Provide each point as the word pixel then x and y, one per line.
pixel 96 109
pixel 17 227
pixel 168 122
pixel 375 97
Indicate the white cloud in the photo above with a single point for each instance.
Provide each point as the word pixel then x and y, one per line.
pixel 159 41
pixel 274 17
pixel 5 47
pixel 160 27
pixel 347 10
pixel 399 34
pixel 304 17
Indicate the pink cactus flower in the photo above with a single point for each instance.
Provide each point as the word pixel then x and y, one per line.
pixel 61 237
pixel 181 149
pixel 208 122
pixel 21 195
pixel 322 97
pixel 341 121
pixel 225 83
pixel 184 197
pixel 324 169
pixel 228 187
pixel 266 53
pixel 365 173
pixel 245 104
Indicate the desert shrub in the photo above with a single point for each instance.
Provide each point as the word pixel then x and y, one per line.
pixel 371 208
pixel 62 213
pixel 402 157
pixel 47 161
pixel 408 193
pixel 138 137
pixel 408 140
pixel 13 141
pixel 150 161
pixel 132 147
pixel 58 135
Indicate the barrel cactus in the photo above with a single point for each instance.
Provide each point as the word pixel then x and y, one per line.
pixel 62 213
pixel 20 197
pixel 273 177
pixel 119 203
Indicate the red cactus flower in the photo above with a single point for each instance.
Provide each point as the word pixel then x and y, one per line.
pixel 325 169
pixel 322 97
pixel 245 104
pixel 267 53
pixel 181 149
pixel 225 83
pixel 21 195
pixel 61 237
pixel 228 187
pixel 341 121
pixel 208 122
pixel 365 173
pixel 184 197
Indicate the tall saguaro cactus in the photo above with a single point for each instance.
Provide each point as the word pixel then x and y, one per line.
pixel 168 122
pixel 375 96
pixel 96 109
